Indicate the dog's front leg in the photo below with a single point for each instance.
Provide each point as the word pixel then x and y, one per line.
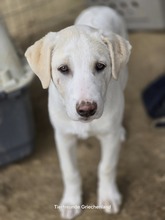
pixel 66 146
pixel 108 194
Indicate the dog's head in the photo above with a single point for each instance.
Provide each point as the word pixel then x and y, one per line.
pixel 80 61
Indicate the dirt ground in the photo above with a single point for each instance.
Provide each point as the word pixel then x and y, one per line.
pixel 29 189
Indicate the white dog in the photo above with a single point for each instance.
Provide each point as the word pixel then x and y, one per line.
pixel 84 67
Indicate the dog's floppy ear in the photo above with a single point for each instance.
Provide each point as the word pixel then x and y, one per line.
pixel 119 50
pixel 39 58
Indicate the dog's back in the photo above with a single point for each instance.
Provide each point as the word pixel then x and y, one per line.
pixel 103 18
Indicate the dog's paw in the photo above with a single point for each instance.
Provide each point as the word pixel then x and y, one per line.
pixel 69 211
pixel 110 201
pixel 70 206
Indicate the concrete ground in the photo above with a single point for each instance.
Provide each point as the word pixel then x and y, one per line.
pixel 29 189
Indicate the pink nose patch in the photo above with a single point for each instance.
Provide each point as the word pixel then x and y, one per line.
pixel 86 109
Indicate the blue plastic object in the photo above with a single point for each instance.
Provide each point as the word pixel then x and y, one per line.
pixel 154 98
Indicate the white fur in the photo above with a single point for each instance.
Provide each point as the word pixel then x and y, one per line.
pixel 80 46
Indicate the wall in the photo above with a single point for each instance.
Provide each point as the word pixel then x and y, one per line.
pixel 28 20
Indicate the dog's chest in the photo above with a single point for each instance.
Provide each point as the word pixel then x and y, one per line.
pixel 94 128
pixel 82 130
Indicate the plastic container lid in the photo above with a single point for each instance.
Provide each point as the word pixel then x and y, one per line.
pixel 14 74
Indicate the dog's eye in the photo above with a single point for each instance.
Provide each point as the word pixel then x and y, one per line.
pixel 64 69
pixel 100 66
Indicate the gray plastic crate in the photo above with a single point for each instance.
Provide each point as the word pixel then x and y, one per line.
pixel 138 14
pixel 16 126
pixel 16 120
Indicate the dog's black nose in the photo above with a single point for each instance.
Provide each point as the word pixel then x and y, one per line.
pixel 86 109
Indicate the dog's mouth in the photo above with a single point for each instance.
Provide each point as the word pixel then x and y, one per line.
pixel 85 119
pixel 88 119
